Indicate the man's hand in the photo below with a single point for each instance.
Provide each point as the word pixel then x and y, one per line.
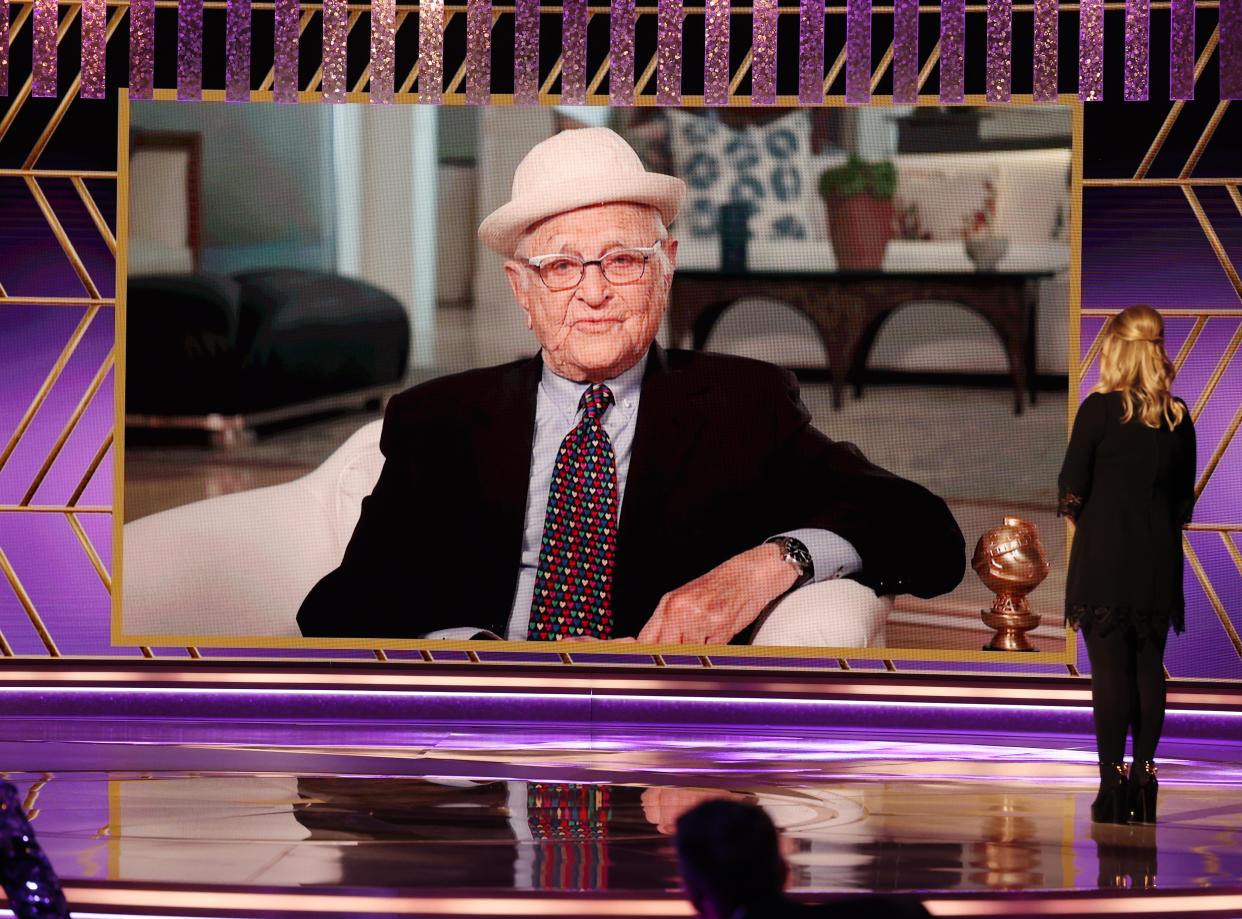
pixel 713 608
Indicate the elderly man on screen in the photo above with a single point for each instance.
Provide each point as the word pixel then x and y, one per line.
pixel 608 488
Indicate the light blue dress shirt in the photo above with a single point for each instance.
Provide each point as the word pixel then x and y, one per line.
pixel 556 414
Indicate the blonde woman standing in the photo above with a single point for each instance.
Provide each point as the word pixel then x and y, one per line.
pixel 1127 485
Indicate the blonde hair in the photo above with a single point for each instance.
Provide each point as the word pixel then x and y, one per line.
pixel 1133 362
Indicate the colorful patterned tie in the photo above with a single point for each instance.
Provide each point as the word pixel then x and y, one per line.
pixel 573 584
pixel 569 824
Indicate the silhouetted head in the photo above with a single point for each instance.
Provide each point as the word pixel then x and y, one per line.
pixel 730 856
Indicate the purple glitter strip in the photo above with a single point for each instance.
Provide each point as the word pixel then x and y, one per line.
pixel 716 54
pixel 285 67
pixel 1138 49
pixel 94 19
pixel 905 50
pixel 573 52
pixel 189 50
pixel 763 59
pixel 4 47
pixel 811 52
pixel 1000 50
pixel 669 18
pixel 431 52
pixel 141 49
pixel 526 52
pixel 237 51
pixel 44 65
pixel 335 23
pixel 478 52
pixel 621 53
pixel 383 45
pixel 1046 59
pixel 858 51
pixel 952 51
pixel 1090 50
pixel 1230 50
pixel 1182 50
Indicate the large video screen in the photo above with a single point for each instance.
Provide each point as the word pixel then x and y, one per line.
pixel 784 422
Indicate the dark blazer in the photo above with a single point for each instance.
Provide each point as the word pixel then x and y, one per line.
pixel 724 456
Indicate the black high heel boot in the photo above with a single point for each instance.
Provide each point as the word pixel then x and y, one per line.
pixel 1142 792
pixel 1111 805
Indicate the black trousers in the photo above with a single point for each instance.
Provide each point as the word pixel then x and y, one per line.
pixel 1127 692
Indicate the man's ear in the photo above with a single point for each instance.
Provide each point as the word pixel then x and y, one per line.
pixel 670 249
pixel 521 293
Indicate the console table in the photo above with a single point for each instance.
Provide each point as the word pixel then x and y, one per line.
pixel 848 308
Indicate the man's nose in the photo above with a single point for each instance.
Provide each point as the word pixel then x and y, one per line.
pixel 594 289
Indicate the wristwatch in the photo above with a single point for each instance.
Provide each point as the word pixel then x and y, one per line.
pixel 795 552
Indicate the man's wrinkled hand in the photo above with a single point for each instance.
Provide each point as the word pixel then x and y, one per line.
pixel 713 608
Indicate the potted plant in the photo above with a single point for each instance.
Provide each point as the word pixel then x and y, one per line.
pixel 859 198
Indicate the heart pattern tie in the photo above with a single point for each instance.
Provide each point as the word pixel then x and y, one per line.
pixel 573 583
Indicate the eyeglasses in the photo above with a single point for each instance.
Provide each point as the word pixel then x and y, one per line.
pixel 621 266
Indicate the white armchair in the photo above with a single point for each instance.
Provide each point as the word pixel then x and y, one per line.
pixel 240 564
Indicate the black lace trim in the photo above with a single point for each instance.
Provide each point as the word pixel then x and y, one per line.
pixel 1101 620
pixel 1069 505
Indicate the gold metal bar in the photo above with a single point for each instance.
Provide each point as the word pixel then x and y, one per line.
pixel 1219 453
pixel 1158 141
pixel 62 237
pixel 1235 196
pixel 843 663
pixel 1094 350
pixel 270 78
pixel 53 375
pixel 6 649
pixel 146 652
pixel 647 74
pixel 96 561
pixel 23 93
pixel 100 224
pixel 1233 551
pixel 885 61
pixel 659 660
pixel 71 94
pixel 32 796
pixel 705 661
pixel 1073 671
pixel 58 173
pixel 28 605
pixel 53 509
pixel 1221 366
pixel 1215 527
pixel 932 58
pixel 194 655
pixel 890 666
pixel 834 71
pixel 1210 182
pixel 552 75
pixel 100 375
pixel 566 659
pixel 1210 232
pixel 1189 343
pixel 593 86
pixel 1204 139
pixel 1163 134
pixel 472 656
pixel 1208 589
pixel 90 470
pixel 1181 313
pixel 58 301
pixel 380 655
pixel 742 68
pixel 426 656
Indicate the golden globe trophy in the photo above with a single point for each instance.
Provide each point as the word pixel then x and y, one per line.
pixel 1011 562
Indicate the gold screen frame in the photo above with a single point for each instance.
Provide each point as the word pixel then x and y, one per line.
pixel 708 655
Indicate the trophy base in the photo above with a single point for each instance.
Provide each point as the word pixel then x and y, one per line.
pixel 1010 631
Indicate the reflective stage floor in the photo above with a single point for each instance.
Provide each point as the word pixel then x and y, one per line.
pixel 535 809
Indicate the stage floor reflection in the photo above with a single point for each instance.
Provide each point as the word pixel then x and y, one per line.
pixel 580 808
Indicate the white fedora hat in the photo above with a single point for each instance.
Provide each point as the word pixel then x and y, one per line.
pixel 579 167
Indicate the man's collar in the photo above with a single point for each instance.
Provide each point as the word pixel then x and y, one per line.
pixel 626 386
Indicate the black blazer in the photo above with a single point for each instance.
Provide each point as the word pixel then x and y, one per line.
pixel 724 456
